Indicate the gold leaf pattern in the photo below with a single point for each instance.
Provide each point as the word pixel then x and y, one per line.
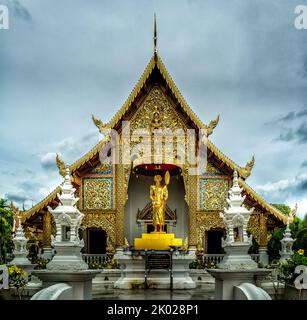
pixel 213 193
pixel 97 193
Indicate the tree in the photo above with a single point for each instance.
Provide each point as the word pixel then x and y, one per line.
pixel 299 232
pixel 6 223
pixel 301 235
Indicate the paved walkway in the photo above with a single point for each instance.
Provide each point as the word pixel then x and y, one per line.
pixel 155 294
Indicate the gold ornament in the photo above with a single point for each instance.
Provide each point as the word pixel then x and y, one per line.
pixel 246 171
pixel 61 165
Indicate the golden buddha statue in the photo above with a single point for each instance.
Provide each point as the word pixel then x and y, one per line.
pixel 159 196
pixel 158 240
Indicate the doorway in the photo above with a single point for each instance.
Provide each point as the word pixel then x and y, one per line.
pixel 96 241
pixel 215 241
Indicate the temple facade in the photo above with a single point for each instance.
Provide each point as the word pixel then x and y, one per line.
pixel 113 192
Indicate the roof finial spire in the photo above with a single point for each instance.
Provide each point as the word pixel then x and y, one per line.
pixel 155 35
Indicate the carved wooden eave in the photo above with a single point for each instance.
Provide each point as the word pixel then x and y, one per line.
pixel 43 204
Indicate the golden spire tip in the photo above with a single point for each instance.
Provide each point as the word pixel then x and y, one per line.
pixel 155 35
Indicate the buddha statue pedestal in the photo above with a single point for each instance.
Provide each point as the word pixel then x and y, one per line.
pixel 157 241
pixel 133 271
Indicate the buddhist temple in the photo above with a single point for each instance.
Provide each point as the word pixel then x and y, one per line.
pixel 114 193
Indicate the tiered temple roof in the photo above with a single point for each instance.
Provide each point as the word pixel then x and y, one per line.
pixel 154 71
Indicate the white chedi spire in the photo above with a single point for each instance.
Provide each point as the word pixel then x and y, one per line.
pixel 236 216
pixel 237 242
pixel 20 242
pixel 66 213
pixel 68 221
pixel 286 245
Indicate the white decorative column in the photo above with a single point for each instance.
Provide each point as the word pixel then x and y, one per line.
pixel 67 265
pixel 237 267
pixel 237 241
pixel 286 245
pixel 68 220
pixel 20 251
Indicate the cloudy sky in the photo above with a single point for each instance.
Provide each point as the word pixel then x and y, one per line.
pixel 61 61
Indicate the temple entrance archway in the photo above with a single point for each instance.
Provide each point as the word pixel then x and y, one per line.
pixel 139 200
pixel 96 241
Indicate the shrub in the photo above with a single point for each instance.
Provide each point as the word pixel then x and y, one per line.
pixel 17 277
pixel 287 270
pixel 40 263
pixel 199 264
pixel 109 264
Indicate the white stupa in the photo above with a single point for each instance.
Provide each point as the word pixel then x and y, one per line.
pixel 286 245
pixel 237 242
pixel 68 220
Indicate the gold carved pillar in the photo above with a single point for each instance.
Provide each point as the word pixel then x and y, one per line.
pixel 47 231
pixel 120 200
pixel 263 239
pixel 192 195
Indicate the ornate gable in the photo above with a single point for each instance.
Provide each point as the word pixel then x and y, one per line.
pixel 156 112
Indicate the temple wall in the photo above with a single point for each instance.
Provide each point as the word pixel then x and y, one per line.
pixel 138 197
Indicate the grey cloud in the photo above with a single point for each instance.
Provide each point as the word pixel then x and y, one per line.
pixel 302 186
pixel 18 10
pixel 18 197
pixel 298 135
pixel 304 68
pixel 304 164
pixel 287 135
pixel 301 133
pixel 289 116
pixel 6 173
pixel 28 186
pixel 292 115
pixel 48 161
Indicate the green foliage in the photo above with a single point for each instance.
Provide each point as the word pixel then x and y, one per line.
pixel 199 264
pixel 6 223
pixel 110 264
pixel 301 235
pixel 40 263
pixel 282 207
pixel 299 232
pixel 287 270
pixel 17 277
pixel 274 245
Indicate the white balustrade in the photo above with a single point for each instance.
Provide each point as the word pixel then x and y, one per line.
pixel 217 258
pixel 95 258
